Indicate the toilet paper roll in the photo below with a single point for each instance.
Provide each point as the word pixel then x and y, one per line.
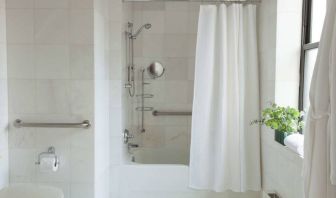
pixel 48 163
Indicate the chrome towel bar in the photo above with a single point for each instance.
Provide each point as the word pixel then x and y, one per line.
pixel 85 124
pixel 172 113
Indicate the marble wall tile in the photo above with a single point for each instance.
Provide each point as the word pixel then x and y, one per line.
pixel 81 4
pixel 81 190
pixel 22 96
pixel 51 4
pixel 20 26
pixel 51 79
pixel 81 165
pixel 81 61
pixel 19 55
pixel 52 62
pixel 81 26
pixel 3 38
pixel 59 92
pixel 176 22
pixel 51 26
pixel 20 3
pixel 19 173
pixel 82 97
pixel 4 146
pixel 157 18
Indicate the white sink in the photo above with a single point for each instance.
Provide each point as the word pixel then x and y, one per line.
pixel 31 191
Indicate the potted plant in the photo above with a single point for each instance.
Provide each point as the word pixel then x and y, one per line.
pixel 284 120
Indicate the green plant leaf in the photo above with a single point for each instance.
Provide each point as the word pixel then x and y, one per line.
pixel 283 119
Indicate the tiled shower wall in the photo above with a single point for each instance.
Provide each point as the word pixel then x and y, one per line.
pixel 3 99
pixel 171 41
pixel 51 79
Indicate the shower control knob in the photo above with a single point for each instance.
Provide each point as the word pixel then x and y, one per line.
pixel 128 85
pixel 127 136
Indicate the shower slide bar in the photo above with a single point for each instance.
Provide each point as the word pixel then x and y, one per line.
pixel 144 108
pixel 85 124
pixel 172 113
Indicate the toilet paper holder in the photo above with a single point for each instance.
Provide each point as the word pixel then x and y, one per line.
pixel 51 151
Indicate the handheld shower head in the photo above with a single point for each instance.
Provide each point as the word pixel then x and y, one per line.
pixel 146 26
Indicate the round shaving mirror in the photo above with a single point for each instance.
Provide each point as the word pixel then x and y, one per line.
pixel 155 69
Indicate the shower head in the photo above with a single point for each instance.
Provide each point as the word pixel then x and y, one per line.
pixel 146 26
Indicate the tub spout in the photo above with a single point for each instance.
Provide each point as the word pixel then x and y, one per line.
pixel 130 145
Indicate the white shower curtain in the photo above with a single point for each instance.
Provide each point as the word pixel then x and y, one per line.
pixel 320 132
pixel 225 148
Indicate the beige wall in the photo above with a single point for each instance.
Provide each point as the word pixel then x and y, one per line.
pixel 281 168
pixel 51 79
pixel 4 171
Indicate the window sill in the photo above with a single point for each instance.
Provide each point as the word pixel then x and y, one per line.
pixel 276 148
pixel 288 153
pixel 293 152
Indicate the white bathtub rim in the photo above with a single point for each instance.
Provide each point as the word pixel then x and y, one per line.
pixel 12 190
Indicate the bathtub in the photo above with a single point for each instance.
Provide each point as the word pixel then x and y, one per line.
pixel 160 156
pixel 143 178
pixel 30 191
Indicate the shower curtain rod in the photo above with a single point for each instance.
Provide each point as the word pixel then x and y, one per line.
pixel 206 1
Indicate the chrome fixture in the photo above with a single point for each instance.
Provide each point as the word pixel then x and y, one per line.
pixel 273 195
pixel 127 136
pixel 146 26
pixel 142 96
pixel 85 124
pixel 172 113
pixel 155 69
pixel 130 37
pixel 51 151
pixel 130 145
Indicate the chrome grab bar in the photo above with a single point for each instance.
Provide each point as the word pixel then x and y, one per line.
pixel 172 113
pixel 85 124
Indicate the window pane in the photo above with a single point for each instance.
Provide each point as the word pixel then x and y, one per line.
pixel 317 19
pixel 309 68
